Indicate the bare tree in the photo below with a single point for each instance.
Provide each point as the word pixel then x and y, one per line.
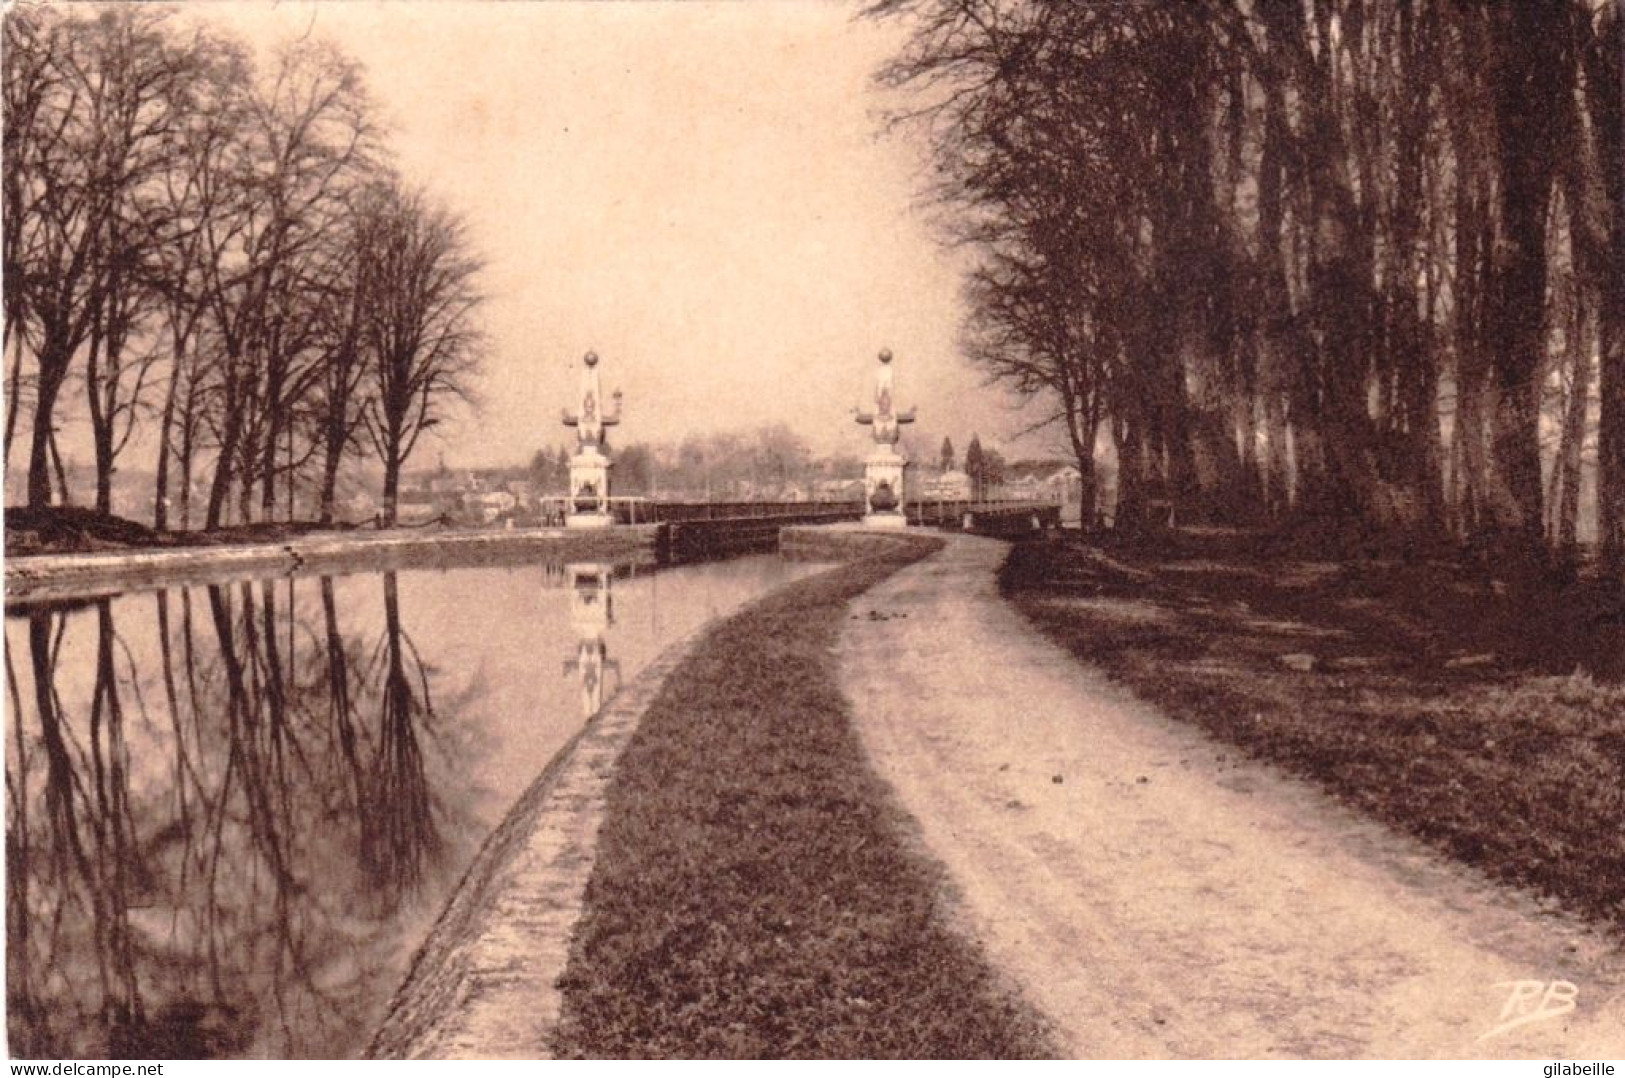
pixel 220 254
pixel 192 195
pixel 341 402
pixel 420 328
pixel 143 75
pixel 62 181
pixel 91 111
pixel 307 140
pixel 34 86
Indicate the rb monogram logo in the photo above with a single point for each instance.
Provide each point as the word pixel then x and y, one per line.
pixel 1533 1001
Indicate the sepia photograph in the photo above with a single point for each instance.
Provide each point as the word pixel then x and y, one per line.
pixel 814 529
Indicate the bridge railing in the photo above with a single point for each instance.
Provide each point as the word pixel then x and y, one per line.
pixel 695 530
pixel 988 517
pixel 639 510
pixel 671 512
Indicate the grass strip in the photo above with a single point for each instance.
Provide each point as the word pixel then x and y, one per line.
pixel 1406 691
pixel 756 894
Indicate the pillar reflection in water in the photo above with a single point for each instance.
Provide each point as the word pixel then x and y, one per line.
pixel 592 612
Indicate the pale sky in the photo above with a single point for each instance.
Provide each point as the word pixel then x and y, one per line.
pixel 701 192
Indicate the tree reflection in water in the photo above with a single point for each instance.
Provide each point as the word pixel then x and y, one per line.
pixel 233 812
pixel 398 831
pixel 210 846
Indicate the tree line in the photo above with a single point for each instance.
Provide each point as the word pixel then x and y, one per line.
pixel 219 259
pixel 725 465
pixel 1356 261
pixel 983 467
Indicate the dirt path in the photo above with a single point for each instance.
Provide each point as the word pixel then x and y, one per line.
pixel 1157 898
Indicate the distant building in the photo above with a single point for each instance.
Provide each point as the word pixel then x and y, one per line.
pixel 952 485
pixel 487 505
pixel 1047 480
pixel 416 507
pixel 1024 488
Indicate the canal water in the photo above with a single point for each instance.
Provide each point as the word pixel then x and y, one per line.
pixel 234 811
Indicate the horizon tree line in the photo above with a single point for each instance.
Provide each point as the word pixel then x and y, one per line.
pixel 1354 262
pixel 219 257
pixel 722 463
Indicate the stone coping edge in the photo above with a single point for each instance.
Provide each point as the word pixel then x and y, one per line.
pixel 484 982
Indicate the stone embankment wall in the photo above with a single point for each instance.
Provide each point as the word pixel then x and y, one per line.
pixel 62 576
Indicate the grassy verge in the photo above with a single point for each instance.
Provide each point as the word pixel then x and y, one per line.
pixel 1425 698
pixel 755 894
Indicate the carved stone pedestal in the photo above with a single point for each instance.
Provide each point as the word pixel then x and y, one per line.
pixel 589 490
pixel 883 489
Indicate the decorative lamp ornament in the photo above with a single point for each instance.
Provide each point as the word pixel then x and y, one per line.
pixel 883 470
pixel 588 502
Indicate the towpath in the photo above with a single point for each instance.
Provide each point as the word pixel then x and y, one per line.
pixel 1157 899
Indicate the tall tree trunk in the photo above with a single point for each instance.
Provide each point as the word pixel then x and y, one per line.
pixel 1605 85
pixel 111 330
pixel 53 373
pixel 1566 468
pixel 1129 512
pixel 185 452
pixel 166 424
pixel 16 394
pixel 330 482
pixel 101 424
pixel 224 471
pixel 245 497
pixel 1531 87
pixel 39 459
pixel 273 431
pixel 1611 451
pixel 268 476
pixel 1083 422
pixel 66 495
pixel 392 480
pixel 1245 407
pixel 1277 476
pixel 1474 479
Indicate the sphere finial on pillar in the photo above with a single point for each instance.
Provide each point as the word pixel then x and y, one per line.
pixel 588 503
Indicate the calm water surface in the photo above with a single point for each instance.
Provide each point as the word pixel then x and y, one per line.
pixel 234 811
